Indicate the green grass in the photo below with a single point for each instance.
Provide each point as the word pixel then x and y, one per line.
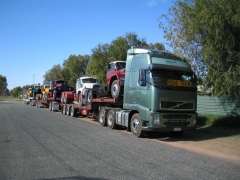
pixel 218 121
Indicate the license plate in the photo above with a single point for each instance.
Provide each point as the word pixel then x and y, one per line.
pixel 172 82
pixel 177 129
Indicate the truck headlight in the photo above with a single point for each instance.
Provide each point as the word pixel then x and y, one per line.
pixel 156 119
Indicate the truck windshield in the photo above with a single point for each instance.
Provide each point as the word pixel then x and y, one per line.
pixel 89 80
pixel 173 79
pixel 121 65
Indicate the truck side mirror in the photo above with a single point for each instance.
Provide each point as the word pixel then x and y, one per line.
pixel 142 78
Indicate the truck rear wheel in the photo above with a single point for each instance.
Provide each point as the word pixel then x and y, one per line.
pixel 63 109
pixel 102 117
pixel 136 125
pixel 116 89
pixel 111 121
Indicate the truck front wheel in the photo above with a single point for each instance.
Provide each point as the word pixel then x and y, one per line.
pixel 116 89
pixel 136 125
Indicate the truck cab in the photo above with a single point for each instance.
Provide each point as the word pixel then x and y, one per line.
pixel 162 90
pixel 83 87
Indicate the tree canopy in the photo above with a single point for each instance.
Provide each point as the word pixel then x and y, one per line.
pixel 207 33
pixel 96 64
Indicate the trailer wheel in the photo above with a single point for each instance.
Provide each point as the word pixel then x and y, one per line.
pixel 64 109
pixel 73 111
pixel 68 110
pixel 102 118
pixel 136 125
pixel 50 106
pixel 111 121
pixel 53 107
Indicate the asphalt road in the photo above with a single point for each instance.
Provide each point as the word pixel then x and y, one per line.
pixel 39 144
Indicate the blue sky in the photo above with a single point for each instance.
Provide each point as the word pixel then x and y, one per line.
pixel 35 35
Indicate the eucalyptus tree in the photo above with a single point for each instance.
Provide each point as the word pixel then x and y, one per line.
pixel 53 74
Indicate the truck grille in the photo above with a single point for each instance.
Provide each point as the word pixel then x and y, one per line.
pixel 180 105
pixel 179 120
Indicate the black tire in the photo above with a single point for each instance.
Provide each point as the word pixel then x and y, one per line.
pixel 116 90
pixel 102 118
pixel 66 100
pixel 50 106
pixel 111 121
pixel 68 110
pixel 79 99
pixel 89 96
pixel 136 125
pixel 72 112
pixel 62 109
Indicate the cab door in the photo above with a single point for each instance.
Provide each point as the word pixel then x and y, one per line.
pixel 143 96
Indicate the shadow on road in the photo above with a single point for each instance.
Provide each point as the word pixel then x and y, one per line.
pixel 73 178
pixel 200 134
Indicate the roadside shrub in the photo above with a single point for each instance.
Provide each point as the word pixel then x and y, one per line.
pixel 218 121
pixel 228 121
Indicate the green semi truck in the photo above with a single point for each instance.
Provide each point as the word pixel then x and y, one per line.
pixel 160 94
